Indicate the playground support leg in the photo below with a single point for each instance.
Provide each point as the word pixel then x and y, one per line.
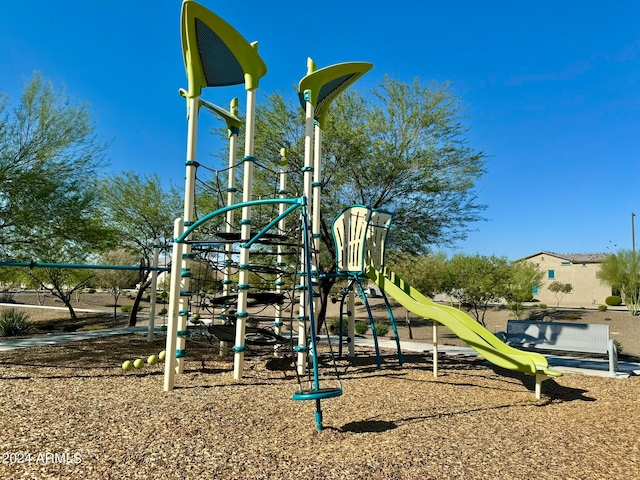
pixel 319 425
pixel 351 322
pixel 435 349
pixel 372 324
pixel 392 319
pixel 245 233
pixel 174 298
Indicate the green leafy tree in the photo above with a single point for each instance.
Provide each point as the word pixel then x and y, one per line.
pixel 10 278
pixel 142 212
pixel 403 148
pixel 622 272
pixel 560 289
pixel 478 280
pixel 49 160
pixel 426 273
pixel 117 281
pixel 521 279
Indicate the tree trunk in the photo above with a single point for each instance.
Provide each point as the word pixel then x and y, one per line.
pixel 67 303
pixel 133 315
pixel 41 296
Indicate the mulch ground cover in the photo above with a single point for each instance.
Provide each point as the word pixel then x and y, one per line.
pixel 70 411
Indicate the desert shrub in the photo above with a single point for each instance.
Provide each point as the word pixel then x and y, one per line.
pixel 125 308
pixel 572 316
pixel 382 329
pixel 14 323
pixel 358 302
pixel 163 311
pixel 334 325
pixel 613 300
pixel 6 296
pixel 542 306
pixel 602 308
pixel 618 346
pixel 361 328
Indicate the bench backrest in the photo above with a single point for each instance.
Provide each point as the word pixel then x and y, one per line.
pixel 566 336
pixel 359 235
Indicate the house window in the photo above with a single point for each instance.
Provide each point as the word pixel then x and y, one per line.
pixel 535 290
pixel 551 274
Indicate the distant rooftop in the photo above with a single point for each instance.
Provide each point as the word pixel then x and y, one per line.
pixel 575 257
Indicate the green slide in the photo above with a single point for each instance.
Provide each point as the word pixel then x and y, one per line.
pixel 462 325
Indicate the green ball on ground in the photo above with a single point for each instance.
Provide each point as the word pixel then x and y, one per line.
pixel 128 365
pixel 152 360
pixel 163 355
pixel 138 363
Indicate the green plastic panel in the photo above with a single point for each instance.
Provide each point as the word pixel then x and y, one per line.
pixel 215 54
pixel 327 83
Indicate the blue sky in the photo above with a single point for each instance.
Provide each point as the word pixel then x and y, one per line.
pixel 552 89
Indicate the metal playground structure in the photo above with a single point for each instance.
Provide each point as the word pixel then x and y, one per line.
pixel 216 55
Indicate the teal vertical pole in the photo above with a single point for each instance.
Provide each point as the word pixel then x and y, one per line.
pixel 154 292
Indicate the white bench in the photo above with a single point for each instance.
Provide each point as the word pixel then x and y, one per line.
pixel 564 337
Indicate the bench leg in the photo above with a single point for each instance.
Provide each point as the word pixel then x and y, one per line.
pixel 435 349
pixel 613 358
pixel 539 378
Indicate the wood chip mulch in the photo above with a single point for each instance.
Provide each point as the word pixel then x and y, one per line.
pixel 78 415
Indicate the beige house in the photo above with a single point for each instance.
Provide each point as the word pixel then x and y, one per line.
pixel 578 269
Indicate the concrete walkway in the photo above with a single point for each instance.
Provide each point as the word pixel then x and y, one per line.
pixel 584 366
pixel 55 338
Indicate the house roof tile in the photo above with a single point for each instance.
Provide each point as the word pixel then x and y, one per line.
pixel 576 257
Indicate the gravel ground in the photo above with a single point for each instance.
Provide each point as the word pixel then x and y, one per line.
pixel 74 401
pixel 70 411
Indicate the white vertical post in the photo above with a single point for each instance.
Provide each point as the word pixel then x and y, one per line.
pixel 245 234
pixel 284 162
pixel 308 181
pixel 231 198
pixel 189 208
pixel 435 348
pixel 170 363
pixel 230 218
pixel 193 106
pixel 316 192
pixel 154 292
